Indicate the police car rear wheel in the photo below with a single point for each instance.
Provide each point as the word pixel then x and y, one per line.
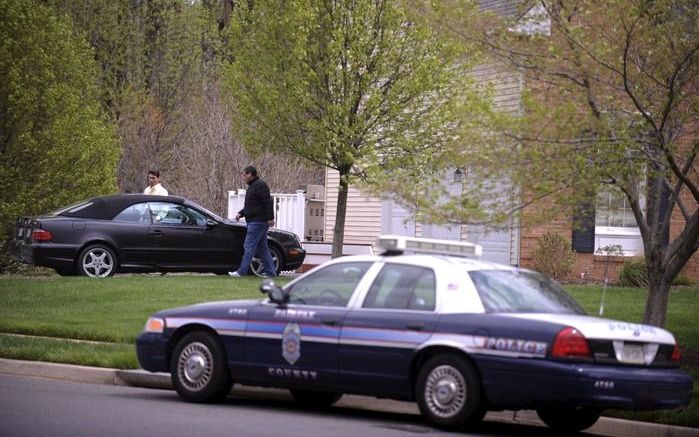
pixel 568 418
pixel 198 368
pixel 315 399
pixel 449 393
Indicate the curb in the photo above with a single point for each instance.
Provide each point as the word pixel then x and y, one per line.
pixel 606 426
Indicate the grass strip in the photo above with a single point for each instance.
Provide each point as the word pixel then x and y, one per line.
pixel 57 350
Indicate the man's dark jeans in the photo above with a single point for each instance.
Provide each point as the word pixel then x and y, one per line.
pixel 256 243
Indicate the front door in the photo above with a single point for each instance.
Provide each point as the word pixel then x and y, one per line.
pixel 297 346
pixel 181 239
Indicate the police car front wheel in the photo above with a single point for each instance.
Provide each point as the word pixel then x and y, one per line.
pixel 449 392
pixel 198 368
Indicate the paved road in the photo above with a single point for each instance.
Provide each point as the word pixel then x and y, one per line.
pixel 26 407
pixel 43 407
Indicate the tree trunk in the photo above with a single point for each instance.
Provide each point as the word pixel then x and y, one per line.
pixel 339 229
pixel 658 294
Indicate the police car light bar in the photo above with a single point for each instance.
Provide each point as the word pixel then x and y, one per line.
pixel 401 243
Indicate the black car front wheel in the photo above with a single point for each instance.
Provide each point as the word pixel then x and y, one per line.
pixel 568 419
pixel 449 392
pixel 97 261
pixel 257 267
pixel 198 368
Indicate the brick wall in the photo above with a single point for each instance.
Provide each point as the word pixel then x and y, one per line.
pixel 588 267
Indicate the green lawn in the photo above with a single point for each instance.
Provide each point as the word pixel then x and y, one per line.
pixel 95 322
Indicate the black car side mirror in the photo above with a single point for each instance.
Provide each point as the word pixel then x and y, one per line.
pixel 274 292
pixel 210 223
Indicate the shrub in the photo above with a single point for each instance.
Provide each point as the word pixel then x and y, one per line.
pixel 634 273
pixel 554 256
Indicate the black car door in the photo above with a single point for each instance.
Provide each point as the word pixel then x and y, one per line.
pixel 184 238
pixel 378 340
pixel 129 230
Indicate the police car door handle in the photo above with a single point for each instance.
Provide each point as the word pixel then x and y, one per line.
pixel 329 322
pixel 156 233
pixel 416 326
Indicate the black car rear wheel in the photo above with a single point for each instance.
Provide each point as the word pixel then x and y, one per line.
pixel 257 268
pixel 315 399
pixel 449 392
pixel 568 419
pixel 97 261
pixel 198 368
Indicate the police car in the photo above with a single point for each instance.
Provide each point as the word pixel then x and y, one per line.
pixel 458 335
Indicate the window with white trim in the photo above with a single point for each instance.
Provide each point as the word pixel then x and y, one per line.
pixel 615 223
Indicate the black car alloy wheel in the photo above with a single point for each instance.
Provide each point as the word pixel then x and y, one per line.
pixel 97 261
pixel 257 268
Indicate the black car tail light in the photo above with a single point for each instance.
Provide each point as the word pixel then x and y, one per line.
pixel 41 235
pixel 570 343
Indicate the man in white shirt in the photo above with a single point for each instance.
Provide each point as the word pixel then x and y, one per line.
pixel 154 186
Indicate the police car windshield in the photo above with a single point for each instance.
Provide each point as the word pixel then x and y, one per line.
pixel 516 291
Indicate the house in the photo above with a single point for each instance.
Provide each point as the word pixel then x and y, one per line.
pixel 610 222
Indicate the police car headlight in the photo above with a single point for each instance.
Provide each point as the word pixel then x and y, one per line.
pixel 155 325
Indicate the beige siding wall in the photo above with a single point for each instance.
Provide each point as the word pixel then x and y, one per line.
pixel 363 220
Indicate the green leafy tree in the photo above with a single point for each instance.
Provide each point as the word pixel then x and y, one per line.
pixel 361 87
pixel 612 102
pixel 55 145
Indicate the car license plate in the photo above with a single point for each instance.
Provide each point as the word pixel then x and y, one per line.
pixel 632 354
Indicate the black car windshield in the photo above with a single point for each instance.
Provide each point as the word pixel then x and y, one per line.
pixel 521 291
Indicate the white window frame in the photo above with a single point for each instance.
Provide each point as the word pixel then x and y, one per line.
pixel 629 238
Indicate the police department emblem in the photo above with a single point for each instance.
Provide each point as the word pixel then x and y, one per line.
pixel 291 343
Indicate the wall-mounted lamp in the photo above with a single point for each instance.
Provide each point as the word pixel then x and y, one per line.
pixel 458 176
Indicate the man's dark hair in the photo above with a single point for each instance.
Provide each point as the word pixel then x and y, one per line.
pixel 251 170
pixel 155 173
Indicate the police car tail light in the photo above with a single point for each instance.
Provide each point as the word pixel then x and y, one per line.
pixel 570 343
pixel 155 324
pixel 676 355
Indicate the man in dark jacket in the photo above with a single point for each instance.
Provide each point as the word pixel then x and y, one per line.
pixel 258 211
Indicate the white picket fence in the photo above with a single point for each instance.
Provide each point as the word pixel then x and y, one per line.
pixel 289 210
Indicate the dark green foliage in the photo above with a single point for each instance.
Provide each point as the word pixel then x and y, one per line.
pixel 55 145
pixel 634 273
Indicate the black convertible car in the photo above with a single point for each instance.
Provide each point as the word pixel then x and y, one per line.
pixel 139 233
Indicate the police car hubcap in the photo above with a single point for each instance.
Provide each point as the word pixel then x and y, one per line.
pixel 194 366
pixel 445 391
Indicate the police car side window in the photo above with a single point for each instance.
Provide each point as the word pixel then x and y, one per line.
pixel 401 286
pixel 330 286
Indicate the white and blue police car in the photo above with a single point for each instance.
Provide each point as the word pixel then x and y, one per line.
pixel 438 326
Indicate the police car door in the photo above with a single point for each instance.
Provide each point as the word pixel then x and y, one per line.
pixel 379 338
pixel 299 343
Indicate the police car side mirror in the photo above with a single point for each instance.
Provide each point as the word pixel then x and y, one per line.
pixel 274 292
pixel 211 223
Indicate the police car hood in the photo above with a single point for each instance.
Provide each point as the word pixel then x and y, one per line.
pixel 604 329
pixel 209 309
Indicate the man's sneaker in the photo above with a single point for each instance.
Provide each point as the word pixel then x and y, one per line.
pixel 234 274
